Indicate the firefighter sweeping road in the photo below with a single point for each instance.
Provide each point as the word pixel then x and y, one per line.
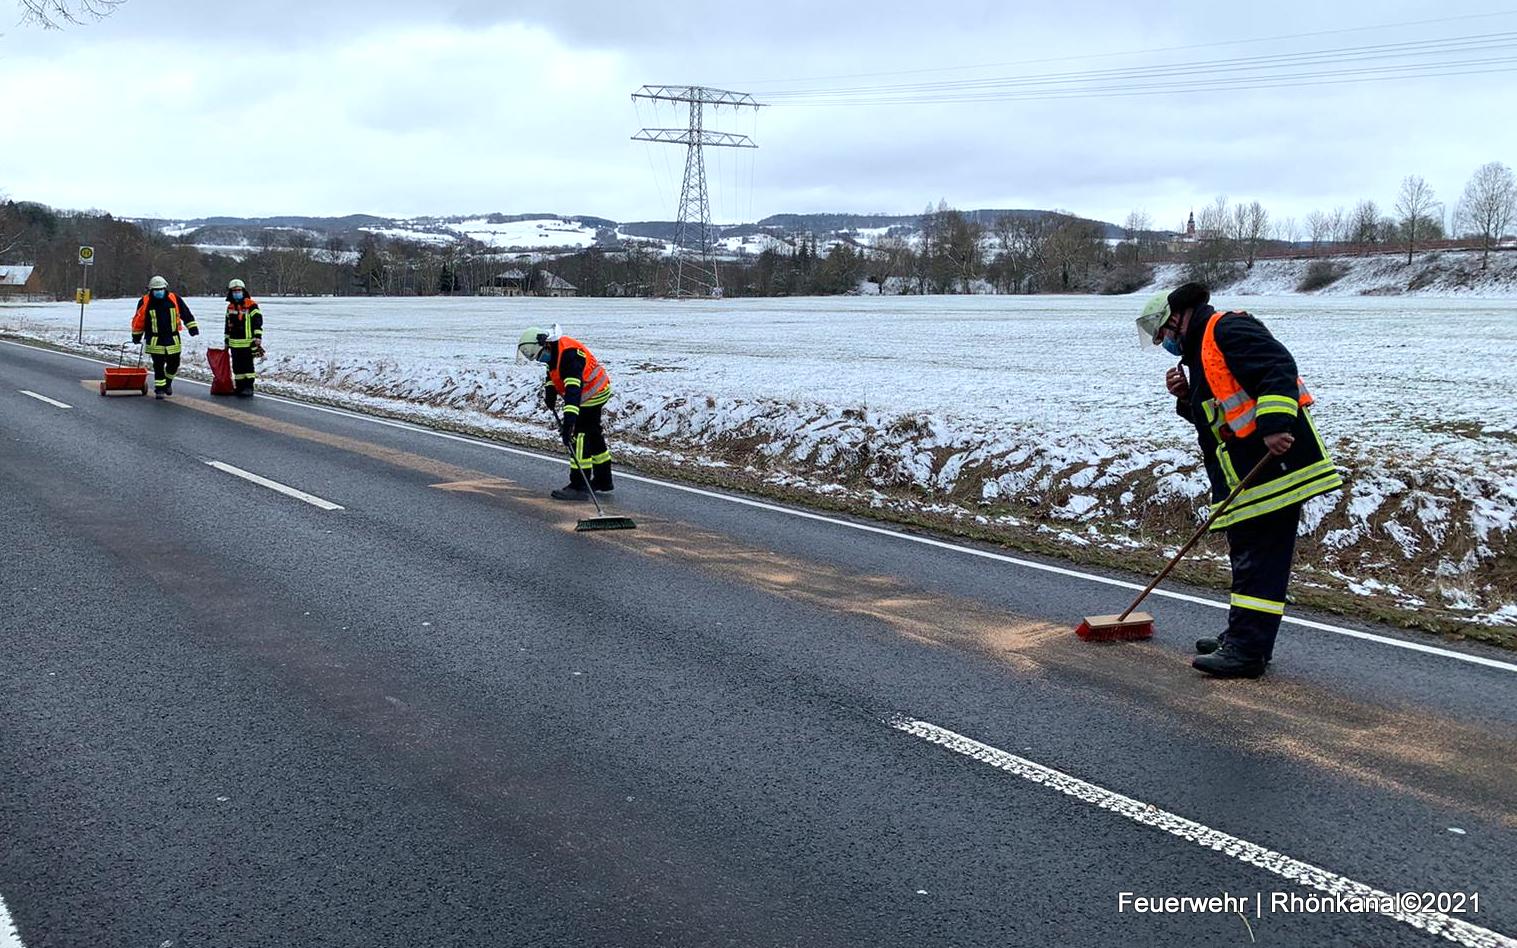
pixel 274 674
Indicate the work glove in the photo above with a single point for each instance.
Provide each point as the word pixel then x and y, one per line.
pixel 194 331
pixel 258 352
pixel 566 429
pixel 550 398
pixel 136 338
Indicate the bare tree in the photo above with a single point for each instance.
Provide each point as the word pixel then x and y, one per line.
pixel 1488 206
pixel 332 255
pixel 1364 225
pixel 1135 229
pixel 1211 260
pixel 1287 231
pixel 1338 224
pixel 1253 229
pixel 1413 204
pixel 56 14
pixel 1215 220
pixel 1318 229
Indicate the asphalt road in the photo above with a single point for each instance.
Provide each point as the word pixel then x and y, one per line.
pixel 439 716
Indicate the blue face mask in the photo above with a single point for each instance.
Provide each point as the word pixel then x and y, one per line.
pixel 544 356
pixel 237 295
pixel 1172 345
pixel 160 294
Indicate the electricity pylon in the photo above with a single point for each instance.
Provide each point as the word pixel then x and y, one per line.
pixel 694 264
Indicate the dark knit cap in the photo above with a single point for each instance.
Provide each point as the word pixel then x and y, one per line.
pixel 1188 296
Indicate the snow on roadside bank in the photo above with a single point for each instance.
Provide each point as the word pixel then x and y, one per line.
pixel 1450 273
pixel 1016 414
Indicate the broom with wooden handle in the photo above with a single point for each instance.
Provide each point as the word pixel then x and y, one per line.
pixel 1131 626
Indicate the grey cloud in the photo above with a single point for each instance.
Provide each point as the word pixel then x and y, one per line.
pixel 405 107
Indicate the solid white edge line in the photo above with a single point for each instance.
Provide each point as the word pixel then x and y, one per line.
pixel 288 491
pixel 9 937
pixel 1292 870
pixel 43 398
pixel 866 528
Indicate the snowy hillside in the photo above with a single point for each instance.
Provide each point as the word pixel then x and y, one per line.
pixel 1025 415
pixel 550 232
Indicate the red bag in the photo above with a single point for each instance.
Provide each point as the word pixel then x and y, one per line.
pixel 221 371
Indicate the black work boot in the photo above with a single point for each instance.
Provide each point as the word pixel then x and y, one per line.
pixel 1208 645
pixel 600 478
pixel 574 490
pixel 1228 662
pixel 168 390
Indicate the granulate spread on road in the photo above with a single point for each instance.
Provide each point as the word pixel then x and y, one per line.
pixel 1407 749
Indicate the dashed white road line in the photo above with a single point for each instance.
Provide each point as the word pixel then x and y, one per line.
pixel 8 935
pixel 1453 928
pixel 1405 644
pixel 285 489
pixel 43 398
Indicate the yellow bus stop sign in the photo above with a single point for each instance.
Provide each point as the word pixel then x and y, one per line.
pixel 83 296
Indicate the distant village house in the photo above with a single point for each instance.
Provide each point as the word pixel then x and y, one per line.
pixel 20 283
pixel 518 283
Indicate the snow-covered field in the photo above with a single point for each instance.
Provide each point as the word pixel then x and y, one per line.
pixel 1032 414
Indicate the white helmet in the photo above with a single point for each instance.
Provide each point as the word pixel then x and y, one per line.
pixel 236 285
pixel 158 283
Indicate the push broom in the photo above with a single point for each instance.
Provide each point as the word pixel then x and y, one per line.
pixel 1131 626
pixel 601 520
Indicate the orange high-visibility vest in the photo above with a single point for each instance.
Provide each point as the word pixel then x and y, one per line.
pixel 596 378
pixel 139 318
pixel 1239 409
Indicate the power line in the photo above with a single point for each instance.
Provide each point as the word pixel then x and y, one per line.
pixel 1126 91
pixel 1259 65
pixel 1136 52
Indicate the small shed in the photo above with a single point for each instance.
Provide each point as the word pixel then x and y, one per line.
pixel 18 282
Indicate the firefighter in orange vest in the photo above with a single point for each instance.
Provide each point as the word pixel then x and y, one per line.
pixel 244 335
pixel 158 318
pixel 1246 400
pixel 576 376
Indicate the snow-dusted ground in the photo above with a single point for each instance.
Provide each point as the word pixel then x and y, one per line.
pixel 1025 413
pixel 1441 273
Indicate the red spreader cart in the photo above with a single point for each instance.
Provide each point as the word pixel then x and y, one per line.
pixel 122 379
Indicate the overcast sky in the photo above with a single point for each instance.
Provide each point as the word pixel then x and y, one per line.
pixel 189 108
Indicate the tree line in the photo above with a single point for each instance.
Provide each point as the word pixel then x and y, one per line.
pixel 950 252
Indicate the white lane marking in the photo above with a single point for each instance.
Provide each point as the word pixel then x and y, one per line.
pixel 1410 646
pixel 43 398
pixel 288 491
pixel 9 938
pixel 1292 870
